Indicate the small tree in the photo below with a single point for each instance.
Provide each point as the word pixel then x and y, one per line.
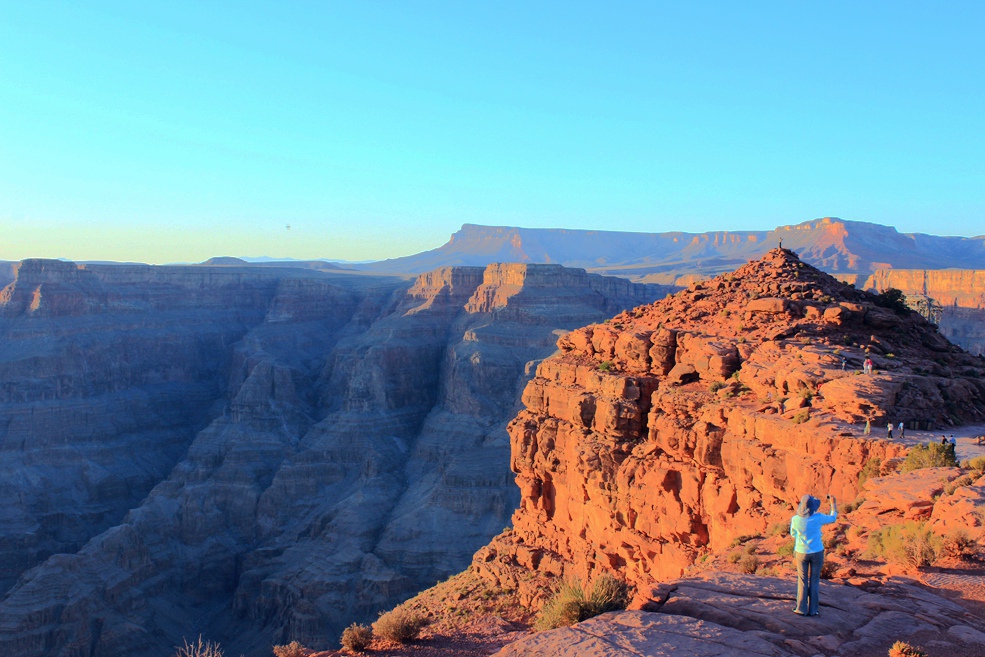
pixel 893 299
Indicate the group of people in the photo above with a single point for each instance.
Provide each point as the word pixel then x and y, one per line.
pixel 867 365
pixel 901 429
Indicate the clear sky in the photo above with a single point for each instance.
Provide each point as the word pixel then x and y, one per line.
pixel 169 131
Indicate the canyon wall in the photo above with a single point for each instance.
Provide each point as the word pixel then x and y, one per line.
pixel 668 432
pixel 961 293
pixel 257 455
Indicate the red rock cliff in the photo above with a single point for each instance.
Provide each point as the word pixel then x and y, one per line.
pixel 677 427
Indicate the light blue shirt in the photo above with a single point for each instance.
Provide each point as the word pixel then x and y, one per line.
pixel 807 531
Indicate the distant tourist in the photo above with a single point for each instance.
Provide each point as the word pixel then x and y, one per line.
pixel 953 442
pixel 943 439
pixel 900 427
pixel 867 366
pixel 868 428
pixel 805 527
pixel 889 431
pixel 844 362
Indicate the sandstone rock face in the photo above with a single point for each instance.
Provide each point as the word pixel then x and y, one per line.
pixel 258 454
pixel 673 429
pixel 729 615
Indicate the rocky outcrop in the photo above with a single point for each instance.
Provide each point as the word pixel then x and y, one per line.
pixel 669 431
pixel 729 615
pixel 309 448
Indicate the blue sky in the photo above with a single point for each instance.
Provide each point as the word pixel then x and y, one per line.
pixel 177 131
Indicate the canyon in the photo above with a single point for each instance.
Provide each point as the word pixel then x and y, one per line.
pixel 257 453
pixel 263 453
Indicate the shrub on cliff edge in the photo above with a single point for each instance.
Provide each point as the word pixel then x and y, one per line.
pixel 399 624
pixel 198 648
pixel 574 602
pixel 292 649
pixel 931 455
pixel 356 637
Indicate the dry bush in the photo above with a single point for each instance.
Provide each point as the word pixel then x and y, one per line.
pixel 910 544
pixel 750 548
pixel 904 649
pixel 779 529
pixel 828 569
pixel 976 465
pixel 733 557
pixel 356 637
pixel 198 648
pixel 292 649
pixel 958 544
pixel 786 548
pixel 573 602
pixel 400 624
pixel 749 564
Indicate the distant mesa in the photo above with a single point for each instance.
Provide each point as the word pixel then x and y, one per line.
pixel 226 261
pixel 832 244
pixel 229 261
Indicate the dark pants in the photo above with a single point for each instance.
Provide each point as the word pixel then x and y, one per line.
pixel 808 581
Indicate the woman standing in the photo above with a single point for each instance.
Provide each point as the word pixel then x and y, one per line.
pixel 805 527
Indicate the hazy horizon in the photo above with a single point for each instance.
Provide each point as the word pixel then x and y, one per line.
pixel 179 132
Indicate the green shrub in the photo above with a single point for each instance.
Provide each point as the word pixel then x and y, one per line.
pixel 574 602
pixel 872 468
pixel 749 564
pixel 198 648
pixel 828 569
pixel 716 386
pixel 786 548
pixel 910 544
pixel 750 548
pixel 802 416
pixel 931 455
pixel 733 557
pixel 895 300
pixel 355 638
pixel 605 366
pixel 400 624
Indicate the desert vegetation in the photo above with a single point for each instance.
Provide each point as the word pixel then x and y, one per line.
pixel 356 637
pixel 930 455
pixel 292 649
pixel 399 625
pixel 198 648
pixel 574 601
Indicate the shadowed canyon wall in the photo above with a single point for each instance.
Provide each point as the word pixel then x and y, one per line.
pixel 256 454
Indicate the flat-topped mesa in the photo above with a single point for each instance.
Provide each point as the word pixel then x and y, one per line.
pixel 672 429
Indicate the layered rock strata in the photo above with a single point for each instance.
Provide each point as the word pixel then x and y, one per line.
pixel 672 430
pixel 259 455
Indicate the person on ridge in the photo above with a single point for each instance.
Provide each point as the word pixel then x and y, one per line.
pixel 900 427
pixel 889 431
pixel 808 551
